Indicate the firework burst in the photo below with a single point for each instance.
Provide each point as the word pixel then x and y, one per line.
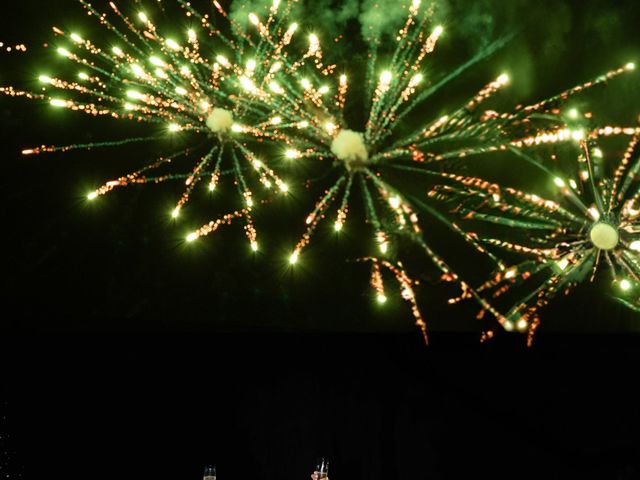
pixel 368 159
pixel 592 227
pixel 224 87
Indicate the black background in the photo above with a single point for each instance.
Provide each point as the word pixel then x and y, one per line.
pixel 125 353
pixel 379 406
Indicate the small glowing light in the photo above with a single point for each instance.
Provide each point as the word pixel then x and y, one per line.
pixel 559 182
pixel 92 196
pixel 630 66
pixel 510 273
pixel 508 325
pixel 303 124
pixel 205 106
pixel 415 4
pixel 292 28
pixel 625 284
pixel 253 18
pixel 381 298
pixel 185 70
pixel 157 61
pixel 314 43
pixel 249 202
pixel 276 4
pixel 635 246
pixel 172 44
pixel 275 67
pixel 577 135
pixel 438 31
pixel 191 33
pixel 192 236
pixel 330 127
pixel 64 52
pixel 135 95
pixel 284 187
pixel 594 213
pixel 251 65
pixel 343 79
pixel 573 184
pixel 584 175
pixel 522 324
pixel 176 212
pixel 129 106
pixel 306 84
pixel 174 127
pixel 45 79
pixel 58 103
pixel 386 77
pixel 118 51
pixel 338 226
pixel 276 88
pixel 142 16
pixel 573 113
pixel 137 70
pixel 276 121
pixel 181 91
pixel 597 153
pixel 236 128
pixel 76 38
pixel 384 246
pixel 222 60
pixel 415 80
pixel 248 84
pixel 254 246
pixel 212 187
pixel 395 202
pixel 292 153
pixel 83 76
pixel 324 89
pixel 161 74
pixel 503 79
pixel 563 263
pixel 293 259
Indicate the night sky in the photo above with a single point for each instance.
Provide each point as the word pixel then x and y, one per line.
pixel 169 397
pixel 284 387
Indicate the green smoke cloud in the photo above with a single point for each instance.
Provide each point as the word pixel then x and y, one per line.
pixel 332 15
pixel 381 18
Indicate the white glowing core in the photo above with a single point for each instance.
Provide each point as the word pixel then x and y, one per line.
pixel 349 147
pixel 220 120
pixel 604 236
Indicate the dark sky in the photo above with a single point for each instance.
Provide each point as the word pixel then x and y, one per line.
pixel 264 406
pixel 121 264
